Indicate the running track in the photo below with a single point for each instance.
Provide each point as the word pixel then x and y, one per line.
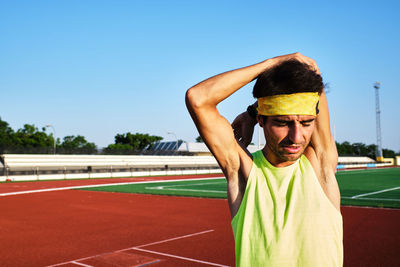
pixel 83 228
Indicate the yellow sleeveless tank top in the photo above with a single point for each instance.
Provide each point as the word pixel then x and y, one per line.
pixel 285 218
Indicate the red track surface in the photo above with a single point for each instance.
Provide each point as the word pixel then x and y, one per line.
pixel 73 227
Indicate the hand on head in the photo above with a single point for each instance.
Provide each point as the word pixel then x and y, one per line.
pixel 243 128
pixel 298 56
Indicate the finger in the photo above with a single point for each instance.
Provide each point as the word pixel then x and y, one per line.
pixel 236 134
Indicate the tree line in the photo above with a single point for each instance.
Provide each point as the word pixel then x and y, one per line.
pixel 354 149
pixel 31 140
pixel 360 149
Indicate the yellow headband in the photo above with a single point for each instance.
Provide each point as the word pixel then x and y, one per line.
pixel 292 104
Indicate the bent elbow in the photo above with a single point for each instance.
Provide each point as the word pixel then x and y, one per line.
pixel 193 99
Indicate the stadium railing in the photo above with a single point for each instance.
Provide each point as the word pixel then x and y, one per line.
pixel 352 162
pixel 25 167
pixel 45 167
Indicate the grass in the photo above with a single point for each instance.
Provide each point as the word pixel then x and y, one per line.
pixel 352 184
pixel 208 188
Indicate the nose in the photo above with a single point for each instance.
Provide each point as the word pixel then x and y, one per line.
pixel 295 134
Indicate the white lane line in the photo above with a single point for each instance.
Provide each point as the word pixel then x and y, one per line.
pixel 101 185
pixel 191 190
pixel 370 198
pixel 174 188
pixel 75 261
pixel 187 189
pixel 135 247
pixel 81 264
pixel 180 257
pixel 180 185
pixel 148 263
pixel 174 238
pixel 376 192
pixel 367 207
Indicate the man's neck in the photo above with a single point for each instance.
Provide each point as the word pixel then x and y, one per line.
pixel 274 160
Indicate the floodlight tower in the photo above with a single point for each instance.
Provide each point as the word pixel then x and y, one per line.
pixel 379 156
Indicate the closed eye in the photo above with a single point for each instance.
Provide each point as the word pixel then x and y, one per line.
pixel 281 123
pixel 307 122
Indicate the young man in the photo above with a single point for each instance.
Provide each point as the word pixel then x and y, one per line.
pixel 284 200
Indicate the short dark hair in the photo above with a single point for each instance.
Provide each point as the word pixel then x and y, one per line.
pixel 289 77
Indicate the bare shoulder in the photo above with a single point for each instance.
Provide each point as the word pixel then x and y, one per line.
pixel 324 165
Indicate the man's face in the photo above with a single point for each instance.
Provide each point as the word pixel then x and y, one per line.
pixel 287 137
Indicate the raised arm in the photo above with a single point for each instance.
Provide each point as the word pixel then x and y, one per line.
pixel 202 100
pixel 322 140
pixel 326 156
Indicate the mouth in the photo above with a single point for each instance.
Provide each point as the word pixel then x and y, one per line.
pixel 292 149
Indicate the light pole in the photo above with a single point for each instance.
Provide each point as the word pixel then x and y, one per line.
pixel 379 155
pixel 176 144
pixel 54 130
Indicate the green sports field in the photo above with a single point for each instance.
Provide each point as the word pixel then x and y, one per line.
pixel 372 187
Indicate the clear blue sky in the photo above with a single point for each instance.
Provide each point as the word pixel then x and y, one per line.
pixel 98 68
